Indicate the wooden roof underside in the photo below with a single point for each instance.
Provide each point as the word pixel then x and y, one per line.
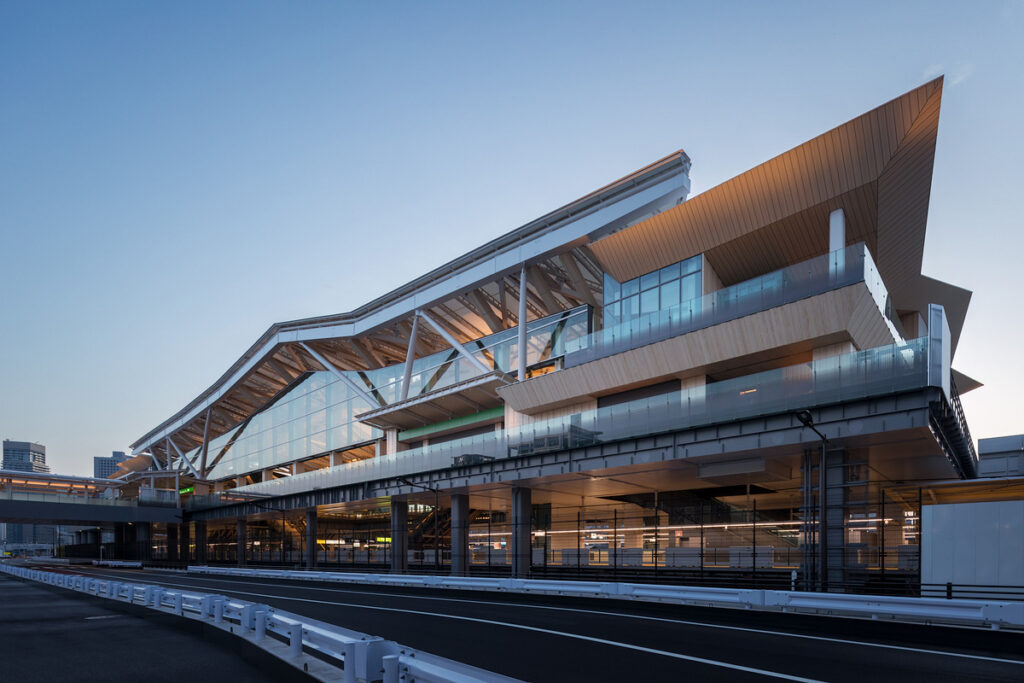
pixel 876 167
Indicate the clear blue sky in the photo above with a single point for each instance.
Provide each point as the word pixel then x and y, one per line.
pixel 174 177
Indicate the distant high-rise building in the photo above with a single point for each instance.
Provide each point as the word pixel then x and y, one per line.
pixel 104 466
pixel 25 456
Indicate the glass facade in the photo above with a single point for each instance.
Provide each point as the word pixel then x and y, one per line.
pixel 318 415
pixel 656 291
pixel 628 325
pixel 879 371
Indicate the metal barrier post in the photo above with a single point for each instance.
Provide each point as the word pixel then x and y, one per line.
pixel 295 640
pixel 350 662
pixel 390 669
pixel 261 624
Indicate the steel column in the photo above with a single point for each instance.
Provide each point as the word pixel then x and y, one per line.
pixel 521 523
pixel 454 343
pixel 329 367
pixel 201 543
pixel 522 324
pixel 460 534
pixel 399 536
pixel 311 545
pixel 241 542
pixel 410 356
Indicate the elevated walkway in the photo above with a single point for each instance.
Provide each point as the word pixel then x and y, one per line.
pixel 36 498
pixel 55 508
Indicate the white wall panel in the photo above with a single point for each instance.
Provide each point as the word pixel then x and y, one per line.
pixel 973 543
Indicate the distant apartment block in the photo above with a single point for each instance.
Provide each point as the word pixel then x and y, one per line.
pixel 104 466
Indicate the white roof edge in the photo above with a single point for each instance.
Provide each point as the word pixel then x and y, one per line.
pixel 657 196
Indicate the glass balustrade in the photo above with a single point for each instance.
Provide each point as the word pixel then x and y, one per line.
pixel 39 497
pixel 873 372
pixel 319 415
pixel 822 274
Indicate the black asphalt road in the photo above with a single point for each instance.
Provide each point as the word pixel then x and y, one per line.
pixel 49 634
pixel 544 638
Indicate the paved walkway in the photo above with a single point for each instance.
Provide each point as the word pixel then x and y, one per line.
pixel 50 634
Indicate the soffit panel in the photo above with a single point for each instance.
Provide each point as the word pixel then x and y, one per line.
pixel 795 238
pixel 832 164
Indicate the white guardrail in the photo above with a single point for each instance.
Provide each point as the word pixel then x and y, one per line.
pixel 985 613
pixel 345 655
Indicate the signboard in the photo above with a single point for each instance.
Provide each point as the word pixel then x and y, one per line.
pixel 187 489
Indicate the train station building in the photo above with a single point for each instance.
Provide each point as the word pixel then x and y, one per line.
pixel 752 384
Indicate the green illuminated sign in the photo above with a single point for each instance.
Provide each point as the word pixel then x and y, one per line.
pixel 187 489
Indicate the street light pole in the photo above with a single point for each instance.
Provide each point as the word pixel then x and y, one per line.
pixel 808 421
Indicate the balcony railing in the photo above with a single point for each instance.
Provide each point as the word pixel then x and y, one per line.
pixel 816 276
pixel 863 374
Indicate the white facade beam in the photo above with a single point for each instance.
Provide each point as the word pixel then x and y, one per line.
pixel 329 366
pixel 453 342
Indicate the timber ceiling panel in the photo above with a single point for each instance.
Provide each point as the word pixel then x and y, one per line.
pixel 835 165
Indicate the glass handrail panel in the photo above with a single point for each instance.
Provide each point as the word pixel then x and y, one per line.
pixel 816 276
pixel 857 375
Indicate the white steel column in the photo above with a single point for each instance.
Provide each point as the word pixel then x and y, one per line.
pixel 328 366
pixel 522 324
pixel 837 241
pixel 181 457
pixel 410 356
pixel 454 342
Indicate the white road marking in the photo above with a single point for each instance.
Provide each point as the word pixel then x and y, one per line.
pixel 104 616
pixel 684 622
pixel 536 629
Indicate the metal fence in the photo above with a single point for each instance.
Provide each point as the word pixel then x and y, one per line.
pixel 341 654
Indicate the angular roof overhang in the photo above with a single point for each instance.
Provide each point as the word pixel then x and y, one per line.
pixel 876 167
pixel 467 296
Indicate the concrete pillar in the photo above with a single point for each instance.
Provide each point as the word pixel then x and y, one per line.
pixel 241 541
pixel 311 545
pixel 521 511
pixel 121 540
pixel 836 230
pixel 391 443
pixel 460 534
pixel 172 542
pixel 184 542
pixel 144 540
pixel 399 536
pixel 201 543
pixel 837 241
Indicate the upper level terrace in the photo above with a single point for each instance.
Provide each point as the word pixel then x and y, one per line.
pixel 885 371
pixel 625 291
pixel 331 416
